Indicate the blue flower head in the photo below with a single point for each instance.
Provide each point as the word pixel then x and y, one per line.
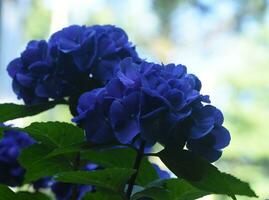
pixel 95 49
pixel 11 173
pixel 74 60
pixel 154 103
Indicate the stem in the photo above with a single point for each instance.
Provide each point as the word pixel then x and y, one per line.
pixel 75 187
pixel 138 160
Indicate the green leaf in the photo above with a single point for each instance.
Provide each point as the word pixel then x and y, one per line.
pixel 31 196
pixel 73 148
pixel 171 189
pixel 202 174
pixel 50 136
pixel 33 159
pixel 102 194
pixel 156 193
pixel 6 193
pixel 112 179
pixel 10 111
pixel 122 157
pixel 55 134
pixel 180 189
pixel 47 167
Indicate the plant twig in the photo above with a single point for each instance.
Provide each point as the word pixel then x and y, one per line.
pixel 151 154
pixel 75 187
pixel 139 156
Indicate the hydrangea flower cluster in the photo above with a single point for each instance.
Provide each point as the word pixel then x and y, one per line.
pixel 11 172
pixel 123 99
pixel 119 100
pixel 153 103
pixel 66 64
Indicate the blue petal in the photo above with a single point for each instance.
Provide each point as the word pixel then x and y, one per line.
pixel 207 152
pixel 39 68
pixel 106 69
pixel 25 80
pixel 117 113
pixel 14 67
pixel 125 128
pixel 222 137
pixel 115 88
pixel 127 131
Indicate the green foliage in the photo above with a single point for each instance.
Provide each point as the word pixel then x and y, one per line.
pixel 55 134
pixel 202 174
pixel 31 196
pixel 33 159
pixel 113 179
pixel 59 144
pixel 11 111
pixel 102 194
pixel 8 194
pixel 171 189
pixel 122 157
pixel 50 136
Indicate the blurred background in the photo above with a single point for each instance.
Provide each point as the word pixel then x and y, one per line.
pixel 225 43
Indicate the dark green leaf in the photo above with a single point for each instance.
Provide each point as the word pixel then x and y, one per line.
pixel 102 194
pixel 171 189
pixel 73 148
pixel 9 111
pixel 47 167
pixel 122 157
pixel 202 174
pixel 33 159
pixel 156 193
pixel 50 136
pixel 55 134
pixel 33 154
pixel 180 189
pixel 31 196
pixel 112 179
pixel 6 193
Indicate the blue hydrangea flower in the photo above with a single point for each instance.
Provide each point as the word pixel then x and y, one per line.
pixel 26 69
pixel 95 49
pixel 76 59
pixel 11 173
pixel 207 135
pixel 130 102
pixel 64 191
pixel 154 103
